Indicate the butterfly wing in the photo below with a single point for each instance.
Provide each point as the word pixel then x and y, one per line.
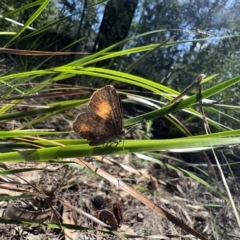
pixel 106 104
pixel 93 128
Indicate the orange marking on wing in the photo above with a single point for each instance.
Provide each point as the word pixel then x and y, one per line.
pixel 84 128
pixel 104 110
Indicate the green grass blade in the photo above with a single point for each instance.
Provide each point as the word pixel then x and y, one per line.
pixel 30 20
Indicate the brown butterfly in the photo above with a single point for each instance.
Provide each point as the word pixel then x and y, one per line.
pixel 103 121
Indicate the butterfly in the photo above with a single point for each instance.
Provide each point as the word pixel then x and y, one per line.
pixel 103 121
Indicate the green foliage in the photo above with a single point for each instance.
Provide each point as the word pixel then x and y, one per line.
pixel 149 63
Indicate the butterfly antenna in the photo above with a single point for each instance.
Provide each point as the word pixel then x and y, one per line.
pixel 132 128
